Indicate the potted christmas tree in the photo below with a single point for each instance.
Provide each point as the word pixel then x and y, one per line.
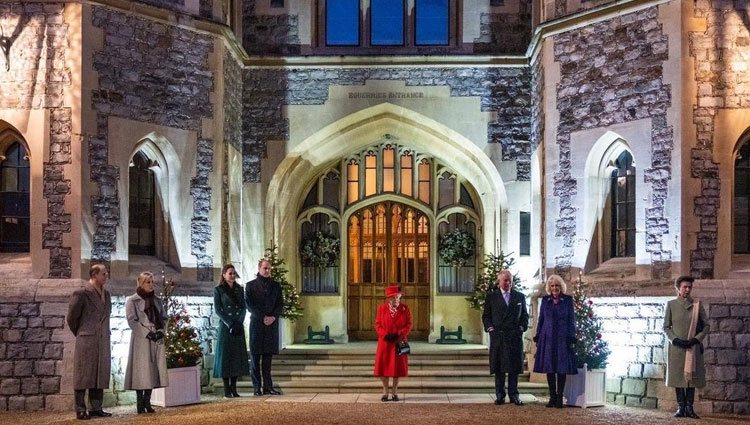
pixel 184 354
pixel 588 387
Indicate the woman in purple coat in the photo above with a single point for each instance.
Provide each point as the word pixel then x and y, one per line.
pixel 555 339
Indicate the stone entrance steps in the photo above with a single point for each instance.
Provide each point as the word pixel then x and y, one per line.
pixel 348 369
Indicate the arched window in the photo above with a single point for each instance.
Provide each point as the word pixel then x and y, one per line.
pixel 142 206
pixel 741 212
pixel 14 199
pixel 622 194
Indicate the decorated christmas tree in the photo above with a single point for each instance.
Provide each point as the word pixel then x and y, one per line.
pixel 292 308
pixel 487 281
pixel 591 349
pixel 182 341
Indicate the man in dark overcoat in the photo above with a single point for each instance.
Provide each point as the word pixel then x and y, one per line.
pixel 505 318
pixel 265 302
pixel 88 319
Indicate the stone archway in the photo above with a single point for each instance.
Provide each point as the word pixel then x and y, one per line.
pixel 358 131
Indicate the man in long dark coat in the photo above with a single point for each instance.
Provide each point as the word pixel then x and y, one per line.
pixel 88 319
pixel 265 302
pixel 506 319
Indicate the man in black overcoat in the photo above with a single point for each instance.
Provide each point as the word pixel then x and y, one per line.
pixel 506 319
pixel 265 302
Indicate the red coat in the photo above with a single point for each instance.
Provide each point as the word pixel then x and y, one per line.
pixel 387 363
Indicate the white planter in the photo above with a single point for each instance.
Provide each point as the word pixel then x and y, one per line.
pixel 587 389
pixel 184 388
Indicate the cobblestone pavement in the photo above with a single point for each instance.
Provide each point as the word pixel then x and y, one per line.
pixel 365 409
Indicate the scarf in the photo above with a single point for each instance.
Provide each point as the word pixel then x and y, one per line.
pixel 151 311
pixel 690 353
pixel 393 310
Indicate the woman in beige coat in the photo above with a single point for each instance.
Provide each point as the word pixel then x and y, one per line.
pixel 147 362
pixel 686 326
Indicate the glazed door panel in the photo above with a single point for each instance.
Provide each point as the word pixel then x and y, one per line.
pixel 389 244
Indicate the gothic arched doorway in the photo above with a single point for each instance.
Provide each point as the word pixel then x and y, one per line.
pixel 388 244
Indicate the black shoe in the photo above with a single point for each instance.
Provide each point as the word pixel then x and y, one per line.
pixel 517 401
pixel 83 416
pixel 552 401
pixel 384 398
pixel 271 391
pixel 257 392
pixel 394 398
pixel 680 413
pixel 500 401
pixel 99 413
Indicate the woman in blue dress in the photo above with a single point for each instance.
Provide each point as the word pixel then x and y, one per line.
pixel 555 339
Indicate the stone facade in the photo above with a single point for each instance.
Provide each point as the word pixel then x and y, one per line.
pixel 721 75
pixel 37 80
pixel 611 72
pixel 200 228
pixel 502 90
pixel 633 328
pixel 555 9
pixel 269 34
pixel 232 102
pixel 149 72
pixel 505 33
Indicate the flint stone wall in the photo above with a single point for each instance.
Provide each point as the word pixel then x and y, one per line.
pixel 505 91
pixel 156 73
pixel 611 73
pixel 34 76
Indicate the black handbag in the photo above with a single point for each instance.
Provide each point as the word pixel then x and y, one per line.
pixel 402 348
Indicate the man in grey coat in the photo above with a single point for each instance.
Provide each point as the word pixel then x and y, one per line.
pixel 88 319
pixel 505 318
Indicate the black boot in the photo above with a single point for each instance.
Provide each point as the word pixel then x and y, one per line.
pixel 227 388
pixel 689 399
pixel 552 390
pixel 560 388
pixel 147 401
pixel 233 386
pixel 139 401
pixel 680 394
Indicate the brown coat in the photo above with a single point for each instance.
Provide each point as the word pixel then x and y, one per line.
pixel 88 319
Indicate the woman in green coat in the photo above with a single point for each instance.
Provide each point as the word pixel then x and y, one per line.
pixel 686 326
pixel 230 361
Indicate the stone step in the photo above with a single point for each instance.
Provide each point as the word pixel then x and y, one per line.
pixel 408 385
pixel 346 374
pixel 370 361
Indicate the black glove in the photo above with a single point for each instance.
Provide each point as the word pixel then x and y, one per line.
pixel 677 342
pixel 693 341
pixel 151 336
pixel 235 329
pixel 159 335
pixel 390 337
pixel 536 338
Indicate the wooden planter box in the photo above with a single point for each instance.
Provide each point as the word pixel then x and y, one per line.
pixel 184 388
pixel 587 389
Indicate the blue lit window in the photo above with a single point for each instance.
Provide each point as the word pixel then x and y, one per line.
pixel 387 20
pixel 342 22
pixel 432 22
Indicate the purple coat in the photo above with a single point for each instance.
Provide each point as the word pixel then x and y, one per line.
pixel 556 325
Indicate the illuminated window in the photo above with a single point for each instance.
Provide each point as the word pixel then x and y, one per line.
pixel 389 176
pixel 352 183
pixel 371 175
pixel 424 181
pixel 407 174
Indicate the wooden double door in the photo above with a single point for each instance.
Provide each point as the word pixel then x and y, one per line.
pixel 388 244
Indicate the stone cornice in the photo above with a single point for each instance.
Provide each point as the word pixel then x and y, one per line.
pixel 541 32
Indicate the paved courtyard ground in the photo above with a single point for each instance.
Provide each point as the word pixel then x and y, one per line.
pixel 366 409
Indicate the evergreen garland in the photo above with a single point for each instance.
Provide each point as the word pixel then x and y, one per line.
pixel 487 281
pixel 182 341
pixel 591 349
pixel 456 247
pixel 292 309
pixel 320 250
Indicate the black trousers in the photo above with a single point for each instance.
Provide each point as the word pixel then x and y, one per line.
pixel 500 385
pixel 96 397
pixel 261 368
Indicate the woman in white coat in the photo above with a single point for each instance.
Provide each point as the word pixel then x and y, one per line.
pixel 147 362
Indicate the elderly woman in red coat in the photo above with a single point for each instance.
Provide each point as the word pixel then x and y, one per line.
pixel 392 324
